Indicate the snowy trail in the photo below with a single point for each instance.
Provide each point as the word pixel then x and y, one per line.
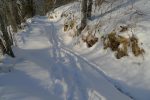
pixel 46 71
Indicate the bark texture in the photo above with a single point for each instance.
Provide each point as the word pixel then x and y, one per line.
pixel 86 10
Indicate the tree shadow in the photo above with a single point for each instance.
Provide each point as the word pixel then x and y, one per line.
pixel 135 93
pixel 115 8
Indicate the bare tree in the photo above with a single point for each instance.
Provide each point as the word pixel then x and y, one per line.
pixel 86 9
pixel 89 10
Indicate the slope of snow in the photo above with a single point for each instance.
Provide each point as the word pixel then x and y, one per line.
pixel 130 74
pixel 44 70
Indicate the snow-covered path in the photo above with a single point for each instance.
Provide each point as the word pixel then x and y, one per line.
pixel 45 70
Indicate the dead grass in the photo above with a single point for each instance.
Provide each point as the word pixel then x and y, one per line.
pixel 136 50
pixel 64 15
pixel 124 28
pixel 69 24
pixel 110 41
pixel 90 40
pixel 120 45
pixel 50 17
pixel 66 27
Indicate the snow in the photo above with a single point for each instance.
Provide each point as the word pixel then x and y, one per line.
pixel 129 74
pixel 44 70
pixel 49 66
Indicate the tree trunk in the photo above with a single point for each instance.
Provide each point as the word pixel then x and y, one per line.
pixel 10 15
pixel 6 37
pixel 89 12
pixel 83 16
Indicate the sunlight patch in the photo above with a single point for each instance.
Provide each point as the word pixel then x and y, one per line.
pixel 94 95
